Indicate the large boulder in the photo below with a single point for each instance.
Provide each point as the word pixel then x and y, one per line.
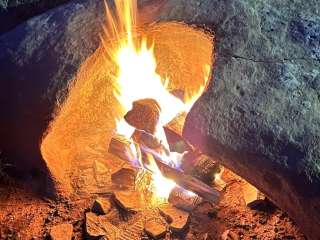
pixel 261 112
pixel 38 59
pixel 13 12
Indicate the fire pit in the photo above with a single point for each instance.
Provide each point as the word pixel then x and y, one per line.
pixel 153 113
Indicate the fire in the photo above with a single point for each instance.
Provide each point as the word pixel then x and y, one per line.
pixel 137 79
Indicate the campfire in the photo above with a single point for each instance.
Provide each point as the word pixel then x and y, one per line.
pixel 138 86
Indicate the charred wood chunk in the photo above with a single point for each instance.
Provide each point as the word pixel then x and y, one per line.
pixel 149 141
pixel 144 115
pixel 184 180
pixel 124 178
pixel 184 199
pixel 173 131
pixel 202 167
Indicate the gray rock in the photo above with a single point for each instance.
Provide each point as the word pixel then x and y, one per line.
pixel 37 59
pixel 261 112
pixel 13 12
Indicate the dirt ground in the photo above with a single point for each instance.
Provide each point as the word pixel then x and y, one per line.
pixel 26 215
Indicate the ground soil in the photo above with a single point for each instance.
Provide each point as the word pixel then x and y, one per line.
pixel 27 215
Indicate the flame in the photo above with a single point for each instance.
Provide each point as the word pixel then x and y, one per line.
pixel 137 79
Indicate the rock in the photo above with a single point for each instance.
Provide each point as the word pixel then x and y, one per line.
pixel 260 114
pixel 125 177
pixel 177 218
pixel 99 226
pixel 155 229
pixel 128 200
pixel 61 232
pixel 14 12
pixel 40 67
pixel 144 115
pixel 251 194
pixel 101 206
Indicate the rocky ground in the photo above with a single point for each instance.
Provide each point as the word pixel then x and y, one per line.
pixel 25 215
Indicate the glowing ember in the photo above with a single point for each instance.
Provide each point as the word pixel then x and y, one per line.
pixel 137 79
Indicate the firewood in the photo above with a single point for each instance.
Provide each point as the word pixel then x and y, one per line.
pixel 186 181
pixel 173 131
pixel 144 115
pixel 148 140
pixel 183 199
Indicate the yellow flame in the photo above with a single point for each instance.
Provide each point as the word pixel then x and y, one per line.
pixel 137 78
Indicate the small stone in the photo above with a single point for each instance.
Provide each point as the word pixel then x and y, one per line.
pixel 128 200
pixel 125 177
pixel 155 229
pixel 99 226
pixel 101 206
pixel 251 194
pixel 61 232
pixel 178 219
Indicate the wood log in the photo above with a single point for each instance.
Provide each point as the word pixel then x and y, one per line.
pixel 120 147
pixel 144 115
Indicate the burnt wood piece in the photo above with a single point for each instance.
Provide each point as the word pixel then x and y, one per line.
pixel 144 115
pixel 186 181
pixel 173 131
pixel 148 140
pixel 182 199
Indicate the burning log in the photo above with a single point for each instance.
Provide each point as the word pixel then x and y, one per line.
pixel 123 150
pixel 144 115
